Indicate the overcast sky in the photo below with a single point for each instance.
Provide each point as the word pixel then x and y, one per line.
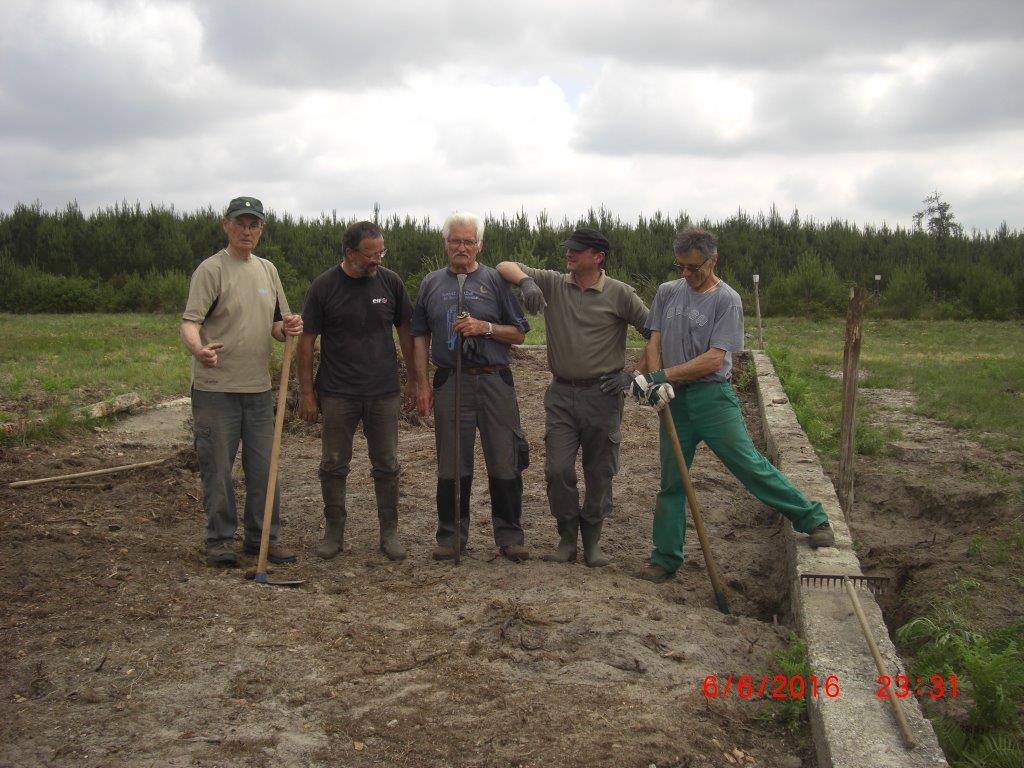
pixel 852 110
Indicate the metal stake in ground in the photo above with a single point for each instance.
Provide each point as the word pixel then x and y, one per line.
pixel 457 393
pixel 757 306
pixel 275 456
pixel 698 518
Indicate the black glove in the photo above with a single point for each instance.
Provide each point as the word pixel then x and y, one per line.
pixel 533 296
pixel 616 383
pixel 471 346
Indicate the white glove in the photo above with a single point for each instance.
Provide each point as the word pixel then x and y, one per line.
pixel 659 396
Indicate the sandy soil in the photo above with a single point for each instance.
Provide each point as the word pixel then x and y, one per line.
pixel 121 648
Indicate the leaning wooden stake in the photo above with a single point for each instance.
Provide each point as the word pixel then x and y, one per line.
pixel 90 473
pixel 851 362
pixel 757 306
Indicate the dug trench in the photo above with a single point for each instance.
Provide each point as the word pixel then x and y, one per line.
pixel 121 648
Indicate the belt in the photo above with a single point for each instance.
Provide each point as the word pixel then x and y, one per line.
pixel 482 369
pixel 578 382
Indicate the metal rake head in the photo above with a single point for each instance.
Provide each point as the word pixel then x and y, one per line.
pixel 874 584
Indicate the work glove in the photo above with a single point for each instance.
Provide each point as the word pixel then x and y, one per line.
pixel 642 383
pixel 615 383
pixel 533 296
pixel 659 396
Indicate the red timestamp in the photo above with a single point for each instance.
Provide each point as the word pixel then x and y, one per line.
pixel 770 686
pixel 901 686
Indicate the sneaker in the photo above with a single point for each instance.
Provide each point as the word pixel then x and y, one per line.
pixel 655 573
pixel 222 554
pixel 276 554
pixel 822 536
pixel 516 553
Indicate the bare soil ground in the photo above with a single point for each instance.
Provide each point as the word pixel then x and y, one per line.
pixel 119 647
pixel 943 516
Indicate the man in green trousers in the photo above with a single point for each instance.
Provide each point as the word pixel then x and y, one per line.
pixel 696 324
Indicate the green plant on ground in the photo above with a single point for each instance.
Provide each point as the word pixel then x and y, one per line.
pixel 791 661
pixel 989 667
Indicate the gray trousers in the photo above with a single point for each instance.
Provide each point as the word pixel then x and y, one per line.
pixel 380 425
pixel 220 420
pixel 488 403
pixel 575 418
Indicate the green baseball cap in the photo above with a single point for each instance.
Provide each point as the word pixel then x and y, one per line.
pixel 242 205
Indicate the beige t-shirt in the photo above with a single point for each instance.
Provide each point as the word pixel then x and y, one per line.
pixel 586 330
pixel 236 303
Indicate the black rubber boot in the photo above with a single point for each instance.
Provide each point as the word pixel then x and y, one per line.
pixel 592 554
pixel 565 552
pixel 386 489
pixel 334 513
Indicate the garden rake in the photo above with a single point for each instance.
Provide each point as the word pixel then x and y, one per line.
pixel 875 585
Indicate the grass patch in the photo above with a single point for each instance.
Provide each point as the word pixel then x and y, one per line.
pixel 968 374
pixel 790 713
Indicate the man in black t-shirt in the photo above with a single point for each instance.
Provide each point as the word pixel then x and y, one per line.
pixel 353 308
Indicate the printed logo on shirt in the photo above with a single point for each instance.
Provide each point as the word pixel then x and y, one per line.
pixel 263 291
pixel 381 300
pixel 692 315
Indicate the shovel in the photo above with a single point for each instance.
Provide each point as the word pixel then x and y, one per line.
pixel 698 517
pixel 260 574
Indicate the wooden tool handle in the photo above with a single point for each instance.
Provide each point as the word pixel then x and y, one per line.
pixel 275 454
pixel 897 710
pixel 698 518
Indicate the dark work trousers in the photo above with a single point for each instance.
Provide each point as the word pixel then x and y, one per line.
pixel 488 404
pixel 220 420
pixel 342 416
pixel 581 418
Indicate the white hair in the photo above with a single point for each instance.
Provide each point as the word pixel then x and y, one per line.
pixel 463 217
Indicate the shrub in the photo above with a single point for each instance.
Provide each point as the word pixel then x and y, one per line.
pixel 906 294
pixel 811 289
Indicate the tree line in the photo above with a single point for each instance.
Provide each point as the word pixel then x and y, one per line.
pixel 130 258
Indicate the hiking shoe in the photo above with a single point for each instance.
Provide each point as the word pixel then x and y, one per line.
pixel 222 554
pixel 276 553
pixel 442 552
pixel 516 553
pixel 822 536
pixel 655 573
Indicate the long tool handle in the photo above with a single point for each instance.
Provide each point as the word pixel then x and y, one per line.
pixel 275 456
pixel 897 710
pixel 698 518
pixel 457 448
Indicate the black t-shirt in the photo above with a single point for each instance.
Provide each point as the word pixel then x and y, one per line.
pixel 354 318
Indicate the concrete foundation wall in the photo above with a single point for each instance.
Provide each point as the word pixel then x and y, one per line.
pixel 856 729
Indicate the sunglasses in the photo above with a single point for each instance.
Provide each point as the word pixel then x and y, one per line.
pixel 691 268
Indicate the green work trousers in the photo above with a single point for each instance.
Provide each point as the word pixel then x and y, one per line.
pixel 710 411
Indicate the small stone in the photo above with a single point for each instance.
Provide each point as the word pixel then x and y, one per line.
pixel 358 746
pixel 780 400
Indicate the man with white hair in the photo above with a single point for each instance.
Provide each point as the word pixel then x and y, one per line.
pixel 491 321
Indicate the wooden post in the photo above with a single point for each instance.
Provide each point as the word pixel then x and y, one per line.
pixel 851 361
pixel 757 305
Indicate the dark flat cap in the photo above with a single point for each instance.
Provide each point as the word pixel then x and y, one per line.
pixel 585 237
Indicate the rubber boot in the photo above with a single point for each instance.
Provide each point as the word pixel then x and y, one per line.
pixel 592 554
pixel 565 552
pixel 386 489
pixel 334 513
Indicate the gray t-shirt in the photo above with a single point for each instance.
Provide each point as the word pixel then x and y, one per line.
pixel 691 323
pixel 487 297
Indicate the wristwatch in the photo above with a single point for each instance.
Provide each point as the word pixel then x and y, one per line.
pixel 490 331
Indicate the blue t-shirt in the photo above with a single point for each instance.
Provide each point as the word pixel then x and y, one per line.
pixel 486 297
pixel 691 323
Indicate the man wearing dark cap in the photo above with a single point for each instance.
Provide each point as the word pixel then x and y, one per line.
pixel 236 305
pixel 586 314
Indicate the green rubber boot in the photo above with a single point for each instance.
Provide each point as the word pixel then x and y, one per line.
pixel 334 514
pixel 386 489
pixel 592 554
pixel 565 552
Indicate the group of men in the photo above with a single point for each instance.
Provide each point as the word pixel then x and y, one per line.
pixel 465 320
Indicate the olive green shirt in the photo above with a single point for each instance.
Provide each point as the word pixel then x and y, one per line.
pixel 586 329
pixel 236 302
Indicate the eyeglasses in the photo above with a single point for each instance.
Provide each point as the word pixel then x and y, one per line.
pixel 255 226
pixel 461 243
pixel 381 254
pixel 691 268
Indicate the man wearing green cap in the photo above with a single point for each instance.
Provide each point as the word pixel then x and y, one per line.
pixel 696 325
pixel 236 305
